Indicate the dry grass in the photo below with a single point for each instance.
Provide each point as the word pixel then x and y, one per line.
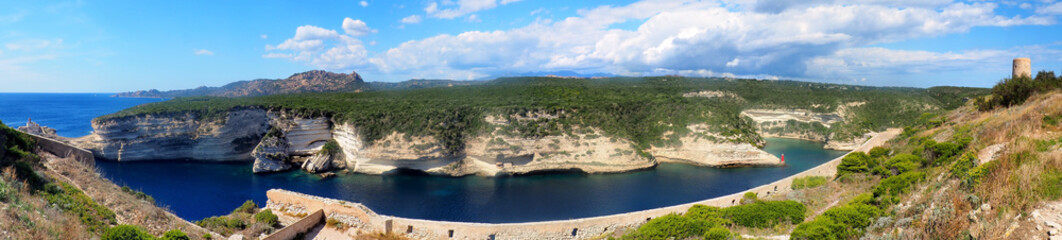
pixel 28 216
pixel 128 208
pixel 944 209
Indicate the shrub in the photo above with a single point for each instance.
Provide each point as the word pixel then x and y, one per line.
pixel 808 182
pixel 855 162
pixel 904 163
pixel 247 207
pixel 879 152
pixel 717 233
pixel 841 222
pixel 174 235
pixel 898 184
pixel 763 214
pixel 331 148
pixel 126 232
pixel 713 215
pixel 961 168
pixel 749 197
pixel 820 228
pixel 671 226
pixel 266 217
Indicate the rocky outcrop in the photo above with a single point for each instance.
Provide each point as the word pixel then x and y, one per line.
pixel 231 137
pixel 34 128
pixel 702 148
pixel 271 155
pixel 317 163
pixel 806 124
pixel 297 141
pixel 304 136
pixel 847 144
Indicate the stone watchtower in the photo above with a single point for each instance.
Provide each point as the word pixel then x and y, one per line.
pixel 1022 67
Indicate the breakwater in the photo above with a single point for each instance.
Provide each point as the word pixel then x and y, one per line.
pixel 365 219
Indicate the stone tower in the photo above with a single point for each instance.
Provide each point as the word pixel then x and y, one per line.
pixel 1022 67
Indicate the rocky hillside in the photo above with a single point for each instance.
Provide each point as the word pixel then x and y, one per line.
pixel 311 81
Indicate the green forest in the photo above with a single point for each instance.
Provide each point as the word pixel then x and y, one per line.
pixel 639 109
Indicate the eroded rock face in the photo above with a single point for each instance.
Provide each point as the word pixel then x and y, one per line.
pixel 179 136
pixel 271 155
pixel 304 136
pixel 703 148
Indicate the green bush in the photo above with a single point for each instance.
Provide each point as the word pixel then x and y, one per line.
pixel 1050 186
pixel 879 152
pixel 174 235
pixel 671 226
pixel 961 168
pixel 904 163
pixel 717 233
pixel 713 215
pixel 266 217
pixel 126 232
pixel 763 214
pixel 855 162
pixel 331 148
pixel 840 222
pixel 808 182
pixel 247 207
pixel 899 184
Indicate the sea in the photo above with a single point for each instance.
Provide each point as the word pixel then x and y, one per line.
pixel 195 190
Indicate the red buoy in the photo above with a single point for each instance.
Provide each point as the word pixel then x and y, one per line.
pixel 783 158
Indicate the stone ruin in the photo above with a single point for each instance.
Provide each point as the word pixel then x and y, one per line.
pixel 1022 67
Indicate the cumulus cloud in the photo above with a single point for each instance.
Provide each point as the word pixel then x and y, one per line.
pixel 325 48
pixel 200 52
pixel 363 3
pixel 737 38
pixel 356 27
pixel 451 10
pixel 412 19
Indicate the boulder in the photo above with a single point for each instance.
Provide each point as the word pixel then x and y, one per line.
pixel 319 162
pixel 271 155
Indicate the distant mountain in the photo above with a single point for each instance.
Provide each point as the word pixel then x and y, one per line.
pixel 311 81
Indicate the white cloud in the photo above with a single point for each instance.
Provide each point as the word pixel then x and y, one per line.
pixel 356 27
pixel 1055 8
pixel 451 9
pixel 363 4
pixel 200 52
pixel 33 44
pixel 325 48
pixel 473 18
pixel 263 36
pixel 411 19
pixel 675 36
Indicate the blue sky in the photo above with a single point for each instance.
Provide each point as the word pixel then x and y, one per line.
pixel 112 46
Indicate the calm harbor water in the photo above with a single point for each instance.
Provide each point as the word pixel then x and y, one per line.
pixel 194 190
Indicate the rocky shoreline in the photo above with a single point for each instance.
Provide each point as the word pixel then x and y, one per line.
pixel 279 141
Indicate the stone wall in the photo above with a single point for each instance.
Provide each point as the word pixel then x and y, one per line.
pixel 64 150
pixel 302 226
pixel 563 229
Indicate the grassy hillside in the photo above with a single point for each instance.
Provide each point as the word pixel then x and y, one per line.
pixel 640 109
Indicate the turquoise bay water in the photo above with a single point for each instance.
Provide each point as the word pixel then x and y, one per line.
pixel 194 190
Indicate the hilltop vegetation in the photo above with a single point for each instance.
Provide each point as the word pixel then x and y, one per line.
pixel 34 205
pixel 965 174
pixel 639 109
